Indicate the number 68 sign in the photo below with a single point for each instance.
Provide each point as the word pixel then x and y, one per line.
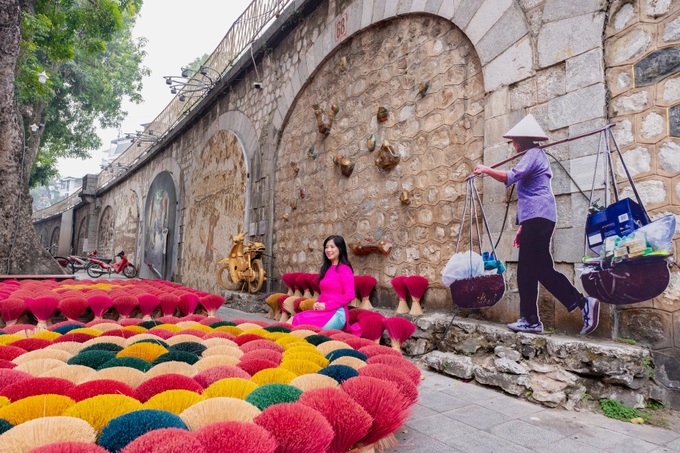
pixel 340 28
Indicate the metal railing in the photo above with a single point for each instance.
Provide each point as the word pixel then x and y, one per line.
pixel 236 41
pixel 58 208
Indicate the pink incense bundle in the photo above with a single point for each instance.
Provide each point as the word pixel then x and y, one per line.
pixel 391 374
pixel 235 437
pixel 303 284
pixel 399 329
pixel 372 327
pixel 169 303
pixel 399 285
pixel 417 286
pixel 72 307
pixel 383 401
pixel 349 420
pixel 296 427
pixel 99 304
pixel 211 303
pixel 297 288
pixel 125 305
pixel 42 308
pixel 11 309
pixel 354 314
pixel 147 304
pixel 364 284
pixel 188 303
pixel 288 281
pixel 313 280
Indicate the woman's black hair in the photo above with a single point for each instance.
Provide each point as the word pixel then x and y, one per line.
pixel 342 257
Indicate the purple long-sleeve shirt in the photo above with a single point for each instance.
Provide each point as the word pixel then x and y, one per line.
pixel 535 197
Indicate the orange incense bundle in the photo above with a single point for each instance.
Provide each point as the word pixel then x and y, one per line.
pixel 417 286
pixel 364 284
pixel 399 329
pixel 399 285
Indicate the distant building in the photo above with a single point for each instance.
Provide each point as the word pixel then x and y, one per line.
pixel 66 186
pixel 118 146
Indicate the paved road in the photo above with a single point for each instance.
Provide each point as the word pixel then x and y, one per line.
pixel 453 416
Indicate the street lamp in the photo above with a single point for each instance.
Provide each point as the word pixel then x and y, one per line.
pixel 43 77
pixel 192 83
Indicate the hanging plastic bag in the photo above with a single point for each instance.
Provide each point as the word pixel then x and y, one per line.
pixel 660 233
pixel 462 265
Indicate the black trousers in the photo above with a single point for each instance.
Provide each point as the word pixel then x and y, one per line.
pixel 536 265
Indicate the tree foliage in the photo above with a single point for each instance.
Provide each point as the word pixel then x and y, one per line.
pixel 93 63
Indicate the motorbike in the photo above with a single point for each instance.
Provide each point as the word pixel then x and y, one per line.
pixel 243 267
pixel 97 267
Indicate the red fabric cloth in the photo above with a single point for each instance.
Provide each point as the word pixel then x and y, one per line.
pixel 337 290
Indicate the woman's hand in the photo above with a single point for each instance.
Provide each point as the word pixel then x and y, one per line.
pixel 498 175
pixel 515 243
pixel 481 169
pixel 320 306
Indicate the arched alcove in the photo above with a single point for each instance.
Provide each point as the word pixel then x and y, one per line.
pixel 215 208
pixel 159 218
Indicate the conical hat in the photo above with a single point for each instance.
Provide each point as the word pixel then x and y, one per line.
pixel 527 128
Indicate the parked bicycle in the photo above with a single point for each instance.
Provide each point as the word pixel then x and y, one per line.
pixel 98 267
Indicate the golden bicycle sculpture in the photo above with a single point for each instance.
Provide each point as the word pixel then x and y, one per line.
pixel 243 267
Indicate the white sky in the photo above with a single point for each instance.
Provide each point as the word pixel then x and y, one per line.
pixel 177 32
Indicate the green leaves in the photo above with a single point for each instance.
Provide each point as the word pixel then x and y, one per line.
pixel 93 63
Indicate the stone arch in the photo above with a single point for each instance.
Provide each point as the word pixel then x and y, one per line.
pixel 54 239
pixel 106 233
pixel 498 31
pixel 171 173
pixel 45 237
pixel 216 207
pixel 439 137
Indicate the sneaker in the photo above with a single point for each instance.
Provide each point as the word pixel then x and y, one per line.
pixel 591 315
pixel 521 325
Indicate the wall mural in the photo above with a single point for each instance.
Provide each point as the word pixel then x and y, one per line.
pixel 215 209
pixel 126 219
pixel 106 233
pixel 80 236
pixel 160 213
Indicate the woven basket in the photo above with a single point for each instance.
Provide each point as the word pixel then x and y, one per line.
pixel 482 291
pixel 628 281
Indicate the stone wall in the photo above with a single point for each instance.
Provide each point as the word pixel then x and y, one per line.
pixel 642 55
pixel 553 370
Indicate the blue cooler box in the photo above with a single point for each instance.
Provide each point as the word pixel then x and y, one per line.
pixel 618 219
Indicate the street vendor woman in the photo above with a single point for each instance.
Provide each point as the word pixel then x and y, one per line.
pixel 336 281
pixel 536 217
